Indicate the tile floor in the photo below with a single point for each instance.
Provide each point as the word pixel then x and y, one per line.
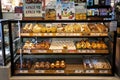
pixel 65 78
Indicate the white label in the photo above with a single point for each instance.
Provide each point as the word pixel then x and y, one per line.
pixel 45 34
pixel 50 34
pixel 57 51
pixel 23 71
pixel 18 16
pixel 35 34
pixel 42 51
pixel 40 71
pixel 89 71
pixel 90 51
pixel 78 71
pixel 113 26
pixel 96 2
pixel 78 34
pixel 27 51
pixel 39 34
pixel 59 71
pixel 79 51
pixel 25 34
pixel 84 51
pixel 103 71
pixel 97 34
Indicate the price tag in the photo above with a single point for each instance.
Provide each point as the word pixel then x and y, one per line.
pixel 78 34
pixel 50 34
pixel 39 71
pixel 104 34
pixel 57 34
pixel 90 51
pixel 59 71
pixel 23 71
pixel 97 34
pixel 78 71
pixel 35 34
pixel 84 51
pixel 93 51
pixel 92 34
pixel 103 71
pixel 67 34
pixel 57 51
pixel 89 71
pixel 25 34
pixel 45 34
pixel 79 51
pixel 71 34
pixel 39 34
pixel 42 51
pixel 27 51
pixel 71 51
pixel 63 34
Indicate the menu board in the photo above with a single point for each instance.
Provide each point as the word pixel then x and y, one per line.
pixel 32 8
pixel 65 9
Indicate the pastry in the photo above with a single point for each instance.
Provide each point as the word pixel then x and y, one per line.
pixel 103 45
pixel 76 28
pixel 37 66
pixel 30 28
pixel 52 65
pixel 62 64
pixel 94 46
pixel 25 28
pixel 98 44
pixel 57 64
pixel 36 29
pixel 47 65
pixel 28 64
pixel 101 27
pixel 78 45
pixel 53 29
pixel 28 45
pixel 42 65
pixel 92 28
pixel 88 45
pixel 83 44
pixel 23 65
pixel 43 45
pixel 43 29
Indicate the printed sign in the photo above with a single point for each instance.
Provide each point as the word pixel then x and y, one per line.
pixel 32 8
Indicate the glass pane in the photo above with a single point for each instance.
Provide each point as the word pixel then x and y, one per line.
pixel 6 42
pixel 1 55
pixel 15 37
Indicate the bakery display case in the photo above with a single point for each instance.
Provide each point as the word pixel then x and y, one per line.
pixel 4 43
pixel 62 47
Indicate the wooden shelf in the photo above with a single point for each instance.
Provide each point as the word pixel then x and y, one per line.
pixel 57 21
pixel 64 34
pixel 63 52
pixel 70 69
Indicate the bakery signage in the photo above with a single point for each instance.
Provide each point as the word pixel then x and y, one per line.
pixel 32 8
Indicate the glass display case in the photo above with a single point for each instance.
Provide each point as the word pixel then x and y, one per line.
pixel 4 43
pixel 62 47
